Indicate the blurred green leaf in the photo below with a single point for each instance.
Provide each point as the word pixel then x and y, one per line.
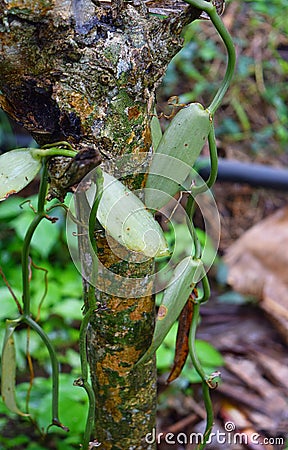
pixel 15 442
pixel 6 132
pixel 232 297
pixel 165 353
pixel 8 369
pixel 69 308
pixel 207 354
pixel 8 307
pixel 10 208
pixel 72 403
pixel 45 236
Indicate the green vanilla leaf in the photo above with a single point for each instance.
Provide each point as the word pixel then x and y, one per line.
pixel 185 276
pixel 17 169
pixel 127 219
pixel 8 369
pixel 176 154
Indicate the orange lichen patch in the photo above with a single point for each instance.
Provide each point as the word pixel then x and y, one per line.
pixel 142 304
pixel 131 137
pixel 117 362
pixel 32 6
pixel 107 257
pixel 146 135
pixel 121 304
pixel 144 179
pixel 107 445
pixel 81 105
pixel 133 112
pixel 112 404
pixel 101 375
pixel 162 312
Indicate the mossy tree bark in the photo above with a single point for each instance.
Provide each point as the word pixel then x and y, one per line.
pixel 86 72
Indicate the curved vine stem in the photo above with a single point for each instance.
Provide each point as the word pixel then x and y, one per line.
pixel 53 151
pixel 40 214
pixel 192 335
pixel 55 368
pixel 206 290
pixel 25 314
pixel 190 209
pixel 227 40
pixel 214 165
pixel 209 414
pixel 93 214
pixel 201 373
pixel 210 9
pixel 26 317
pixel 83 381
pixel 59 144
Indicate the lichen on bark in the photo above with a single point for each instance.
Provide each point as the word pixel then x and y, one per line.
pixel 86 72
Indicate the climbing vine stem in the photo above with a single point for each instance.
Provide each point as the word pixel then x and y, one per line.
pixel 213 168
pixel 55 368
pixel 201 373
pixel 47 151
pixel 40 214
pixel 26 317
pixel 83 381
pixel 93 216
pixel 210 9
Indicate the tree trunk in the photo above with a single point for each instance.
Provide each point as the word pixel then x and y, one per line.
pixel 86 72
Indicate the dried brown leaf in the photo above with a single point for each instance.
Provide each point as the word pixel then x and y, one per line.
pixel 257 264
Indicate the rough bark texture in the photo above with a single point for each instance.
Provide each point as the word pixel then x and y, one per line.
pixel 86 72
pixel 120 330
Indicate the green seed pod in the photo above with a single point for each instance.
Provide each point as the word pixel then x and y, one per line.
pixel 186 274
pixel 176 153
pixel 128 221
pixel 17 169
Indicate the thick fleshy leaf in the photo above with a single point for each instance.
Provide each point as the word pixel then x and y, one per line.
pixel 185 276
pixel 176 153
pixel 17 169
pixel 128 221
pixel 8 369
